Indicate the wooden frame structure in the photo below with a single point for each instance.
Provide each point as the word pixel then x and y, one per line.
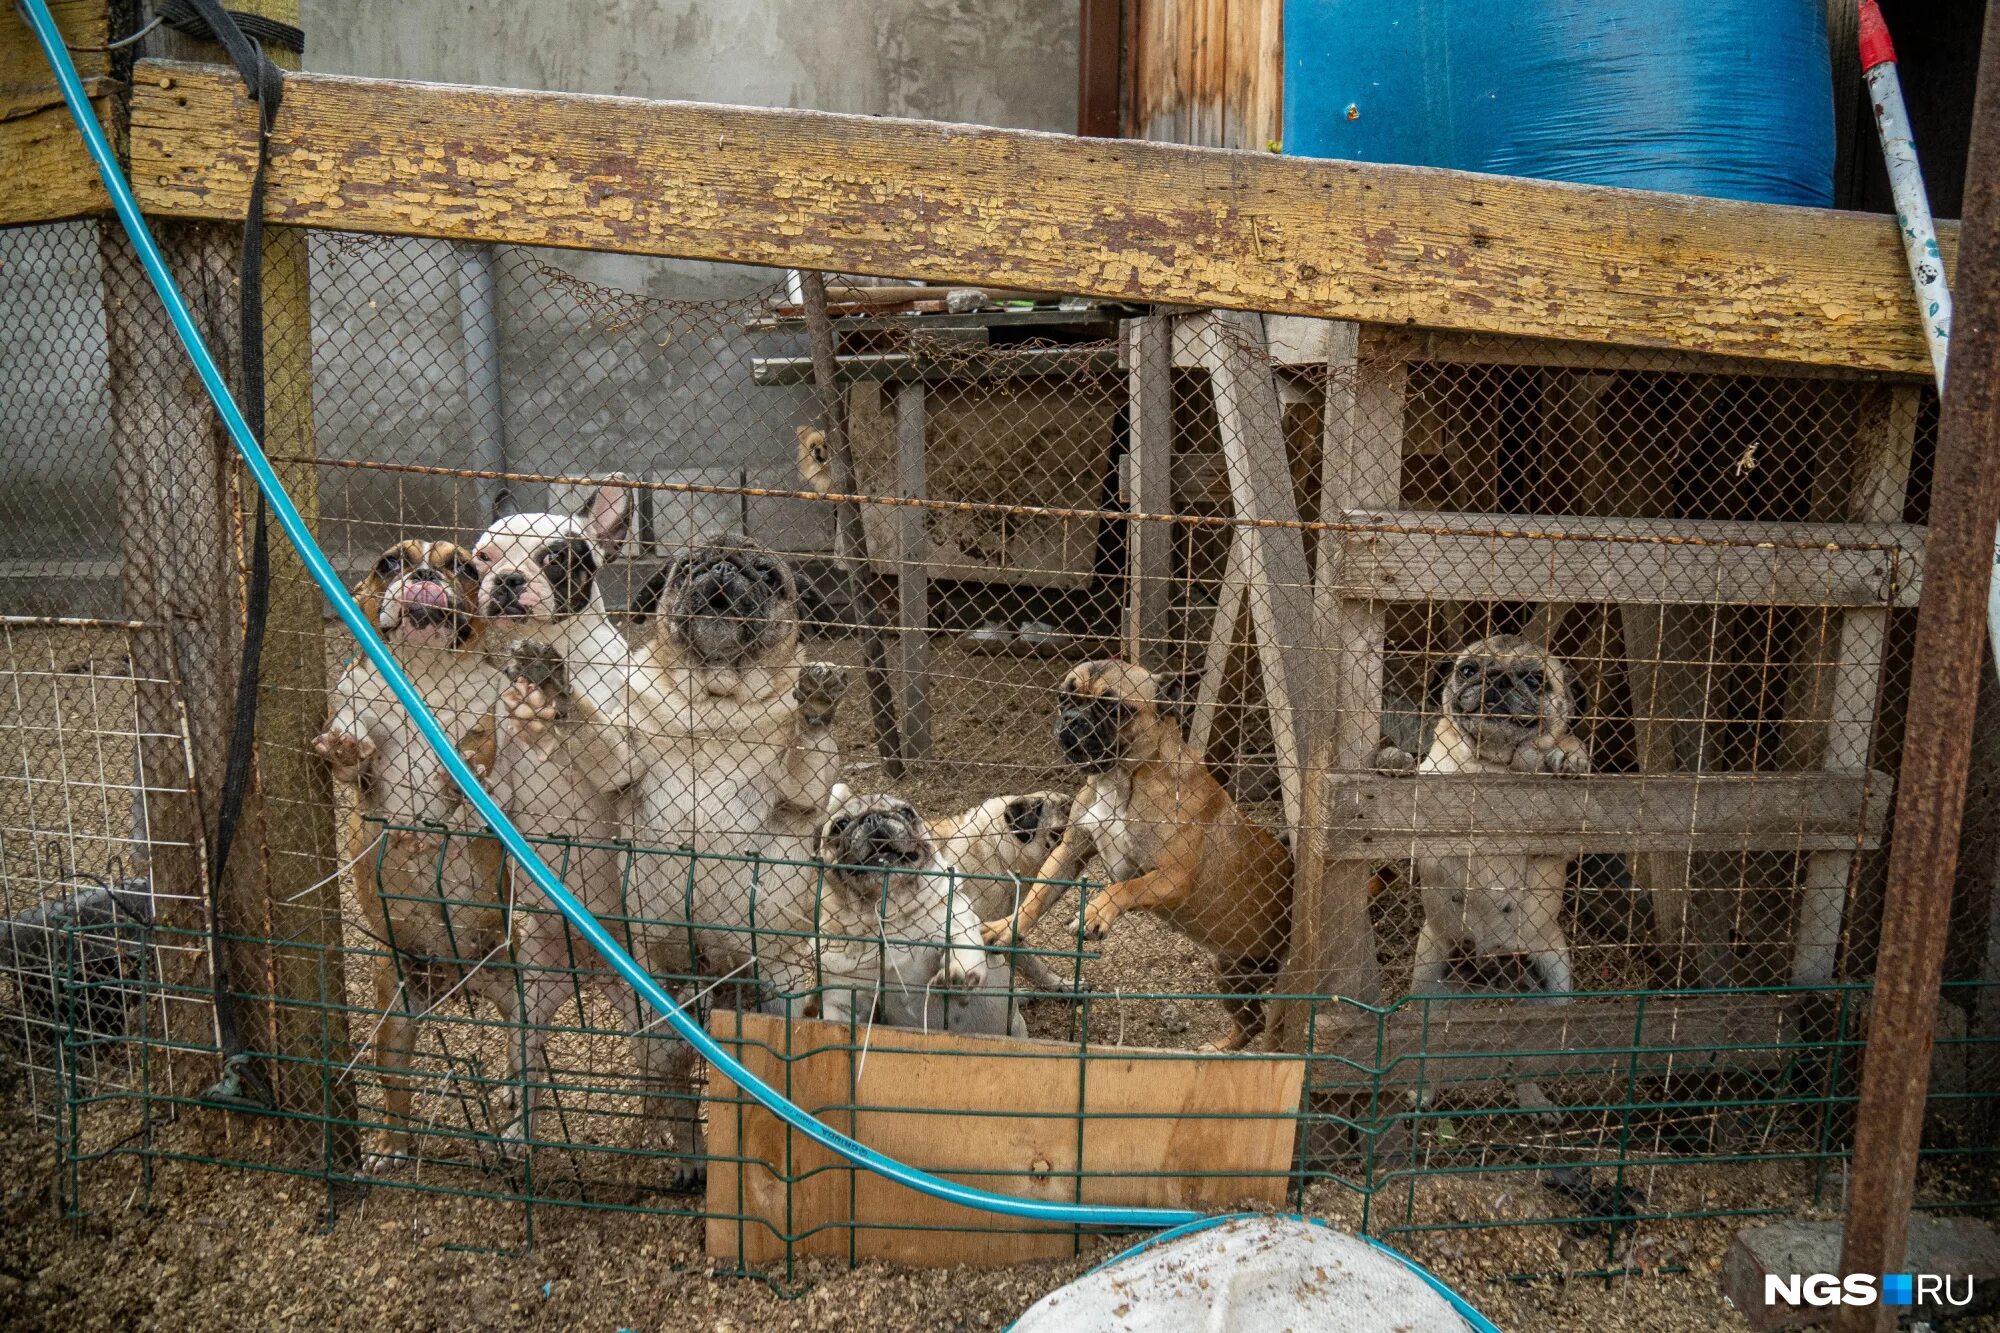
pixel 1489 267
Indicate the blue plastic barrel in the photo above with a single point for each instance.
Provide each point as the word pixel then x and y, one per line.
pixel 1730 98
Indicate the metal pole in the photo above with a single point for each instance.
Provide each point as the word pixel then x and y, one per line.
pixel 479 331
pixel 1944 694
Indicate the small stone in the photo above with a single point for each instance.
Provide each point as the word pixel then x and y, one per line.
pixel 1171 1018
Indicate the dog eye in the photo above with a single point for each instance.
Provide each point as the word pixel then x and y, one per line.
pixel 1466 671
pixel 1532 681
pixel 458 566
pixel 389 564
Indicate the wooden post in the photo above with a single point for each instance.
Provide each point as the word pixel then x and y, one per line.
pixel 912 667
pixel 1950 654
pixel 1149 452
pixel 1277 582
pixel 1853 681
pixel 850 540
pixel 1361 468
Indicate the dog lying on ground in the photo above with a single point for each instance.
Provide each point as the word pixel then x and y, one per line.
pixel 436 903
pixel 896 937
pixel 1173 842
pixel 996 847
pixel 1505 709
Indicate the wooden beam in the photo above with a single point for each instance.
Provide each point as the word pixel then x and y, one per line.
pixel 1421 557
pixel 1027 363
pixel 40 148
pixel 1460 1045
pixel 1277 582
pixel 1395 818
pixel 1153 222
pixel 911 670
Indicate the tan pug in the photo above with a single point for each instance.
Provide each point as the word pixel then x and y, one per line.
pixel 436 902
pixel 1505 709
pixel 1174 843
pixel 815 463
pixel 896 937
pixel 997 847
pixel 730 730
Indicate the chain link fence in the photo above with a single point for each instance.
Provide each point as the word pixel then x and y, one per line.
pixel 1024 699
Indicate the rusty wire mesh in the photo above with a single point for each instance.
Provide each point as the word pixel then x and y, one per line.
pixel 1569 678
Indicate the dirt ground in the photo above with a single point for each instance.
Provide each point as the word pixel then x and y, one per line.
pixel 219 1249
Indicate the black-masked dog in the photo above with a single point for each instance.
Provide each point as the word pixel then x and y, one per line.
pixel 1505 708
pixel 1173 842
pixel 435 901
pixel 896 938
pixel 539 588
pixel 997 847
pixel 728 729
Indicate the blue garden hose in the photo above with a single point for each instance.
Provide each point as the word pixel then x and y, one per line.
pixel 574 912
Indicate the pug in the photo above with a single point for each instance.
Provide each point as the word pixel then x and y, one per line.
pixel 1173 842
pixel 435 901
pixel 1505 708
pixel 728 731
pixel 995 848
pixel 897 940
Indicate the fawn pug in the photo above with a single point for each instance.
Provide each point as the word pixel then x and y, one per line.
pixel 728 732
pixel 1173 842
pixel 434 900
pixel 1506 708
pixel 897 936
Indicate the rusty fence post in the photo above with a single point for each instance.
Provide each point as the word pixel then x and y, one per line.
pixel 1944 694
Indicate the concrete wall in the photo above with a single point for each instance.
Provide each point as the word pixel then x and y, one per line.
pixel 660 389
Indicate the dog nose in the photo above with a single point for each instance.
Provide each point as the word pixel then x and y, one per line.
pixel 512 580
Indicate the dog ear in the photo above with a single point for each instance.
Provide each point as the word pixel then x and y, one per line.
pixel 1435 679
pixel 368 593
pixel 608 515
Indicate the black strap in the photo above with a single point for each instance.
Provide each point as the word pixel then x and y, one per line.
pixel 266 84
pixel 185 16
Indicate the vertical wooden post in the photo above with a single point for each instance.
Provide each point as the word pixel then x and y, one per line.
pixel 850 540
pixel 1361 468
pixel 1853 680
pixel 912 673
pixel 1944 692
pixel 1149 452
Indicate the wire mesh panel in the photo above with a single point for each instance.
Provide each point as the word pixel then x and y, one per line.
pixel 1444 778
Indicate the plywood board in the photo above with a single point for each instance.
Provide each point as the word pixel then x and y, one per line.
pixel 1033 1118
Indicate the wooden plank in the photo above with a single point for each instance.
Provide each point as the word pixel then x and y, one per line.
pixel 1023 1117
pixel 1029 363
pixel 39 145
pixel 1852 684
pixel 911 671
pixel 1395 818
pixel 1472 348
pixel 1462 1045
pixel 1208 72
pixel 1419 557
pixel 1278 585
pixel 1225 629
pixel 1137 221
pixel 1149 452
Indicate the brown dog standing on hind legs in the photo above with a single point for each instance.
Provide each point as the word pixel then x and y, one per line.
pixel 1174 843
pixel 433 899
pixel 1505 709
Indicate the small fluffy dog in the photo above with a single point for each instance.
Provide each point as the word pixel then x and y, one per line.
pixel 815 463
pixel 996 846
pixel 1173 842
pixel 1505 709
pixel 896 937
pixel 729 733
pixel 436 901
pixel 538 585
